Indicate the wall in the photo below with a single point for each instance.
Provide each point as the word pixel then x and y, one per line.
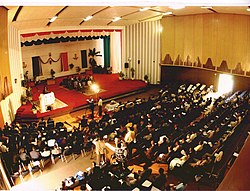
pixel 216 36
pixel 11 103
pixel 55 49
pixel 4 64
pixel 142 50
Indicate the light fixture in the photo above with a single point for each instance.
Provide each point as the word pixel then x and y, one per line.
pixel 168 13
pixel 206 7
pixel 116 19
pixel 144 9
pixel 176 7
pixel 225 84
pixel 88 18
pixel 53 19
pixel 248 9
pixel 95 88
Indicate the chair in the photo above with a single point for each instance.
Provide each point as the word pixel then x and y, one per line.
pixel 45 155
pixel 68 150
pixel 34 167
pixel 21 173
pixel 56 151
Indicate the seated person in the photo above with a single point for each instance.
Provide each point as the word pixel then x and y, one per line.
pixel 45 90
pixel 205 160
pixel 199 147
pixel 178 162
pixel 24 157
pixel 34 154
pixel 160 180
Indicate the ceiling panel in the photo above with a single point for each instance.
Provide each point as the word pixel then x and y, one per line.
pixel 24 25
pixel 235 10
pixel 190 11
pixel 123 22
pixel 32 17
pixel 80 11
pixel 38 12
pixel 66 22
pixel 142 15
pixel 96 22
pixel 116 12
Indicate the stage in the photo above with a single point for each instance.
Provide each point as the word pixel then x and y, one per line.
pixel 110 87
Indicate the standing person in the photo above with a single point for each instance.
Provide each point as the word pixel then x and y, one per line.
pixel 100 106
pixel 100 149
pixel 129 140
pixel 91 106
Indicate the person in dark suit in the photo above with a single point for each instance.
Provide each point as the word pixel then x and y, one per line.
pixel 100 106
pixel 91 106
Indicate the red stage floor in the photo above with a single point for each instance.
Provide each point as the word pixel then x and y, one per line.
pixel 109 83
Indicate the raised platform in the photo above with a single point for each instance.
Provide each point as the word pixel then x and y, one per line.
pixel 114 89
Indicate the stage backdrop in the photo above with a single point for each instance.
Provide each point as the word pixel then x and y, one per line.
pixel 53 52
pixel 193 39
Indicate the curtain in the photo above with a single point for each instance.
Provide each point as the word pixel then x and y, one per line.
pixel 84 58
pixel 64 61
pixel 115 51
pixel 106 47
pixel 36 65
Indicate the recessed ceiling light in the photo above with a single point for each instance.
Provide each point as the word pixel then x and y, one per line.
pixel 168 13
pixel 206 7
pixel 88 18
pixel 176 7
pixel 145 9
pixel 53 19
pixel 116 19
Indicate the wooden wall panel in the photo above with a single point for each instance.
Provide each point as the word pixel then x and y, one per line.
pixel 216 36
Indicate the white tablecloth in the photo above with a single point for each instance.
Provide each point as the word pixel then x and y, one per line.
pixel 46 100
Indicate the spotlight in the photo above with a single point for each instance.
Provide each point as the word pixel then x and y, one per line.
pixel 95 88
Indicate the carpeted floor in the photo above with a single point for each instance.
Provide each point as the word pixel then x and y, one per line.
pixel 109 83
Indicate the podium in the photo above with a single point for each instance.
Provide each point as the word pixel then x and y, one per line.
pixel 46 100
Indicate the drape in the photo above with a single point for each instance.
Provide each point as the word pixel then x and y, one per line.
pixel 106 45
pixel 37 68
pixel 116 52
pixel 84 58
pixel 64 61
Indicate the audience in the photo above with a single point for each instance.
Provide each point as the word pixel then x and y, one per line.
pixel 174 127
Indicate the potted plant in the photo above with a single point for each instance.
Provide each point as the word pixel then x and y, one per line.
pixel 52 73
pixel 23 99
pixel 146 78
pixel 132 73
pixel 78 69
pixel 121 75
pixel 92 54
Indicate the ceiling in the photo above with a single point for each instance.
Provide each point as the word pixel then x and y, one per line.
pixel 31 18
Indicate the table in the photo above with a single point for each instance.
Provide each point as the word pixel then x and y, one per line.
pixel 111 106
pixel 46 100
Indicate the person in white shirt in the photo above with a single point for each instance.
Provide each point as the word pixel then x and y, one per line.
pixel 100 149
pixel 129 139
